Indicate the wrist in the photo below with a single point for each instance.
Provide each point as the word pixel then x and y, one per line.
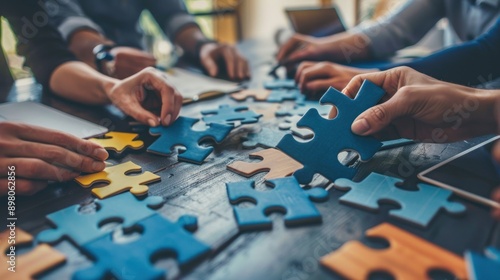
pixel 106 86
pixel 200 44
pixel 102 55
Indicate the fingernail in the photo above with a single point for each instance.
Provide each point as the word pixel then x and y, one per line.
pixel 152 122
pixel 167 119
pixel 360 127
pixel 98 166
pixel 101 154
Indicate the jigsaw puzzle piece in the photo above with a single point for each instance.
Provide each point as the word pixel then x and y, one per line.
pixel 408 257
pixel 418 207
pixel 274 161
pixel 158 235
pixel 119 141
pixel 280 84
pixel 229 114
pixel 396 143
pixel 286 197
pixel 256 94
pixel 26 266
pixel 118 180
pixel 483 267
pixel 280 95
pixel 301 109
pixel 82 228
pixel 266 138
pixel 290 123
pixel 181 133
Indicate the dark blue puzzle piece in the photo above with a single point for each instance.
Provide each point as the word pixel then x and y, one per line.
pixel 332 136
pixel 301 109
pixel 286 197
pixel 280 95
pixel 133 260
pixel 266 138
pixel 280 84
pixel 82 228
pixel 228 115
pixel 483 267
pixel 418 207
pixel 390 144
pixel 181 133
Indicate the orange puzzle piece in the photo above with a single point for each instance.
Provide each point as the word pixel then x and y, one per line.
pixel 118 180
pixel 256 94
pixel 119 141
pixel 28 265
pixel 275 161
pixel 408 257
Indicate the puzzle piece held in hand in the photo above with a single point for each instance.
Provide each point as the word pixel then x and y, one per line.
pixel 290 123
pixel 133 259
pixel 277 163
pixel 286 197
pixel 332 136
pixel 418 207
pixel 181 133
pixel 119 141
pixel 118 180
pixel 280 84
pixel 82 228
pixel 266 138
pixel 301 109
pixel 408 257
pixel 27 266
pixel 483 267
pixel 228 115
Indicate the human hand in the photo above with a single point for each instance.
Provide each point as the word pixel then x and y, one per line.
pixel 496 193
pixel 316 77
pixel 130 95
pixel 41 155
pixel 298 48
pixel 128 61
pixel 419 107
pixel 214 55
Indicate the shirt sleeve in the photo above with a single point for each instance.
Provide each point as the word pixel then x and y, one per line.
pixel 38 41
pixel 403 28
pixel 171 15
pixel 69 18
pixel 471 63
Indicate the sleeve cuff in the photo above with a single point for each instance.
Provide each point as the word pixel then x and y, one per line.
pixel 176 23
pixel 71 24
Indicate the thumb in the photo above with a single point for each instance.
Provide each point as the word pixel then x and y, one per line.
pixel 376 118
pixel 209 64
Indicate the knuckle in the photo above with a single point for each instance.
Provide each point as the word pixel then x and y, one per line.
pixel 33 169
pixel 379 113
pixel 53 154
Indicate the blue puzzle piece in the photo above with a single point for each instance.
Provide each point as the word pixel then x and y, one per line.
pixel 301 109
pixel 280 84
pixel 280 95
pixel 286 197
pixel 228 115
pixel 266 138
pixel 133 260
pixel 82 228
pixel 396 143
pixel 483 267
pixel 332 136
pixel 418 207
pixel 181 133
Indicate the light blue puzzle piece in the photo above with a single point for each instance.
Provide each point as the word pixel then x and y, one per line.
pixel 481 267
pixel 280 84
pixel 228 115
pixel 280 95
pixel 266 138
pixel 418 207
pixel 301 109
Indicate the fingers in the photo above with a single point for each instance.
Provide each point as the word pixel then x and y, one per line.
pixel 318 86
pixel 210 65
pixel 378 117
pixel 229 58
pixel 22 186
pixel 289 46
pixel 37 169
pixel 300 69
pixel 314 72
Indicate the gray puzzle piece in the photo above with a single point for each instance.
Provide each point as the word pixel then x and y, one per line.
pixel 266 138
pixel 301 109
pixel 290 123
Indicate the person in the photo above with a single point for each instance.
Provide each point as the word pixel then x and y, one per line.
pixel 43 155
pixel 94 26
pixel 420 107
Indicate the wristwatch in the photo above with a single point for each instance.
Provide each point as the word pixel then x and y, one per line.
pixel 199 45
pixel 101 53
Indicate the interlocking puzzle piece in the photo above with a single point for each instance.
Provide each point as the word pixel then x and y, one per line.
pixel 286 197
pixel 280 84
pixel 82 228
pixel 256 94
pixel 181 133
pixel 119 141
pixel 228 115
pixel 277 163
pixel 332 136
pixel 290 123
pixel 408 257
pixel 276 95
pixel 266 138
pixel 301 109
pixel 396 143
pixel 133 259
pixel 483 267
pixel 26 266
pixel 118 180
pixel 418 207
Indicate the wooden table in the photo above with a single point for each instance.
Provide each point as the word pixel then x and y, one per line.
pixel 280 253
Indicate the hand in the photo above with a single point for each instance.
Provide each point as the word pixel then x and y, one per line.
pixel 213 55
pixel 496 193
pixel 298 48
pixel 130 96
pixel 41 155
pixel 419 107
pixel 317 77
pixel 128 61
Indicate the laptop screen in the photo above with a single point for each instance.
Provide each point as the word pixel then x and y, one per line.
pixel 317 22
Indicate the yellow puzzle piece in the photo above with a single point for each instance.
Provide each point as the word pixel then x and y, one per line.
pixel 118 180
pixel 28 265
pixel 119 141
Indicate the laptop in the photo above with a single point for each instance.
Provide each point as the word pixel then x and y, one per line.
pixel 317 22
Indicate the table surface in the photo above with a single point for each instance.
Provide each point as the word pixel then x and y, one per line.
pixel 280 253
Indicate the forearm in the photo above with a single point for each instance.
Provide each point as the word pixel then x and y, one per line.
pixel 82 42
pixel 346 47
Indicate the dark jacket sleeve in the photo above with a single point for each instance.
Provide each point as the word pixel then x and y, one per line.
pixel 468 64
pixel 38 41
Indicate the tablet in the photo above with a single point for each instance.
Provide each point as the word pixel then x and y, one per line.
pixel 317 22
pixel 472 174
pixel 40 115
